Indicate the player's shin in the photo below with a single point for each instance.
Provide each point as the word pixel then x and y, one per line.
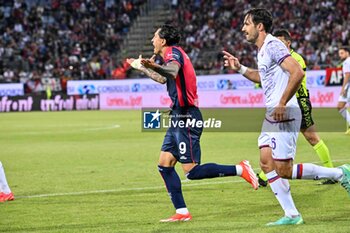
pixel 281 189
pixel 173 184
pixel 211 170
pixel 310 171
pixel 4 187
pixel 323 153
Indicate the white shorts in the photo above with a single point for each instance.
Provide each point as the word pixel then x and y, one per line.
pixel 345 98
pixel 281 137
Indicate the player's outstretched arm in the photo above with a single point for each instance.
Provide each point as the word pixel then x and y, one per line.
pixel 136 64
pixel 170 70
pixel 232 62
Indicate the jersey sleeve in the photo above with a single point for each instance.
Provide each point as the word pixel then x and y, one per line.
pixel 174 55
pixel 277 51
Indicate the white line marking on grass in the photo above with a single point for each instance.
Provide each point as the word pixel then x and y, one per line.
pixel 103 128
pixel 185 183
pixel 125 189
pixel 66 130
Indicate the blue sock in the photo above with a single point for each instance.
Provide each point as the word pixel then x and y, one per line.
pixel 211 170
pixel 173 184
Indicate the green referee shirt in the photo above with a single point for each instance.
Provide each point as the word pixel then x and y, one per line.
pixel 302 91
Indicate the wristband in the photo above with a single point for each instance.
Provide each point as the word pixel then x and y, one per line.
pixel 243 69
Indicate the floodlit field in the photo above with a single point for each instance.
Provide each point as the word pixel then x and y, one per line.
pixel 97 172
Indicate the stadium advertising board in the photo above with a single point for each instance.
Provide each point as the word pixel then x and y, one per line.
pixel 11 89
pixel 334 77
pixel 41 103
pixel 315 78
pixel 320 97
pixel 204 83
pixel 83 87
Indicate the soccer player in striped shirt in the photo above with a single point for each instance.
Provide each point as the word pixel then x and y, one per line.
pixel 181 144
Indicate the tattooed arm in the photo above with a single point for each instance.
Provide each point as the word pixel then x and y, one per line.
pixel 154 71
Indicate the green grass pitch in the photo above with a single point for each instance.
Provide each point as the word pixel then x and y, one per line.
pixel 97 172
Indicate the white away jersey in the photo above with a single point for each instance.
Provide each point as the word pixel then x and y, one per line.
pixel 273 78
pixel 346 66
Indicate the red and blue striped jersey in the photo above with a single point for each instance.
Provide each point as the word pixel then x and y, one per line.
pixel 183 89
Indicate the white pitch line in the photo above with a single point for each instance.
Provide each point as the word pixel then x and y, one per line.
pixel 185 183
pixel 124 189
pixel 103 128
pixel 66 131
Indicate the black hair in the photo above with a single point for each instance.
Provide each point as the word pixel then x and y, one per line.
pixel 261 15
pixel 283 33
pixel 346 48
pixel 170 34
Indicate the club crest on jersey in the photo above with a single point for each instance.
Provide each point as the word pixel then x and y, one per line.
pixel 173 55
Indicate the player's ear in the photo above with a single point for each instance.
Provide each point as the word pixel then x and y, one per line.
pixel 163 42
pixel 260 27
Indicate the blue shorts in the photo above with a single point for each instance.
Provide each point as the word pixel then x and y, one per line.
pixel 183 142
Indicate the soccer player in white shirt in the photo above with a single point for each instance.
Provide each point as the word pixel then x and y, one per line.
pixel 280 76
pixel 344 98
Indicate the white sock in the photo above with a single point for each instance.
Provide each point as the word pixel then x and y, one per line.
pixel 239 170
pixel 281 189
pixel 311 171
pixel 4 187
pixel 182 211
pixel 344 112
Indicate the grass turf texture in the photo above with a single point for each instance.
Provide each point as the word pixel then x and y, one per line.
pixel 80 172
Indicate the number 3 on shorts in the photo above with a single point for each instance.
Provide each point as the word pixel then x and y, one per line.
pixel 273 143
pixel 182 148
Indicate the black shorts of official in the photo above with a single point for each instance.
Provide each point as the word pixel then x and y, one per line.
pixel 306 112
pixel 184 142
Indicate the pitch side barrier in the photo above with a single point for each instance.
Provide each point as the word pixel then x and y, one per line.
pixel 215 91
pixel 57 102
pixel 204 83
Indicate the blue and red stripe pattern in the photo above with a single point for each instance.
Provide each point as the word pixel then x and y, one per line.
pixel 299 171
pixel 182 90
pixel 273 179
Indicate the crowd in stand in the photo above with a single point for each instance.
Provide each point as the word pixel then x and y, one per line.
pixel 78 39
pixel 62 38
pixel 318 28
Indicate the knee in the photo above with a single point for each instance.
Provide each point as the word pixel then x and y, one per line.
pixel 264 166
pixel 340 107
pixel 166 159
pixel 284 172
pixel 193 174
